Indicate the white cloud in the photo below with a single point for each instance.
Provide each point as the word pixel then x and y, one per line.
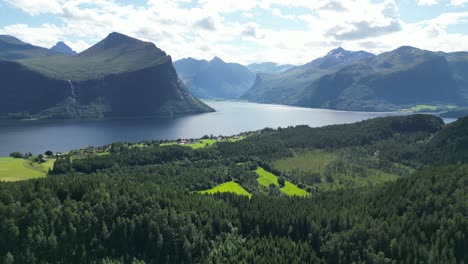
pixel 427 2
pixel 37 6
pixel 458 2
pixel 235 30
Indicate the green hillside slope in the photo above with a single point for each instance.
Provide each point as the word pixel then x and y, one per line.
pixel 119 76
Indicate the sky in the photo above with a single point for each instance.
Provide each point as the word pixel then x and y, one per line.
pixel 244 31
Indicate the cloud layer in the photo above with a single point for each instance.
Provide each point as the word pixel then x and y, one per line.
pixel 294 31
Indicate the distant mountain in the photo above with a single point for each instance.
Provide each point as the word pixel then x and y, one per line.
pixel 280 88
pixel 12 48
pixel 63 48
pixel 215 78
pixel 269 67
pixel 347 80
pixel 119 76
pixel 456 113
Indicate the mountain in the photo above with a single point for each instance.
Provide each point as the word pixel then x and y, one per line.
pixel 455 113
pixel 269 67
pixel 279 88
pixel 214 79
pixel 12 48
pixel 390 81
pixel 63 48
pixel 119 76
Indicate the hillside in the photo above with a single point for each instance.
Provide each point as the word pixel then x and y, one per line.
pixel 12 48
pixel 119 76
pixel 269 67
pixel 355 193
pixel 394 80
pixel 282 88
pixel 214 79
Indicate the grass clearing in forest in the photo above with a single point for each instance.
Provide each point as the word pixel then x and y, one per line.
pixel 431 108
pixel 201 144
pixel 229 187
pixel 314 161
pixel 12 169
pixel 292 190
pixel 266 178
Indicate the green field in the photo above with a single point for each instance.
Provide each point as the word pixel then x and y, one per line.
pixel 292 190
pixel 311 161
pixel 431 108
pixel 201 144
pixel 49 164
pixel 231 187
pixel 12 169
pixel 266 178
pixel 304 164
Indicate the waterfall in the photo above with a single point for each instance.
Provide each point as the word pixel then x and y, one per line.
pixel 72 88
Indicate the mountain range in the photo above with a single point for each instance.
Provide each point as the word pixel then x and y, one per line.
pixel 269 67
pixel 123 76
pixel 214 79
pixel 119 76
pixel 361 81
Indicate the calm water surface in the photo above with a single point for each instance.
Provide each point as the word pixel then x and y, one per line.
pixel 231 118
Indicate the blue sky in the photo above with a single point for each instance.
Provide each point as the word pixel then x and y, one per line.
pixel 294 31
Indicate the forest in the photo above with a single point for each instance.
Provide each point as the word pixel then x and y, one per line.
pixel 385 190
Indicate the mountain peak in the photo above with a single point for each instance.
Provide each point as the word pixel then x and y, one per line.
pixel 217 60
pixel 406 49
pixel 120 44
pixel 63 48
pixel 337 51
pixel 117 38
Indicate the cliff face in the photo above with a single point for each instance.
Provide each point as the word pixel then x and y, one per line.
pixel 27 91
pixel 120 76
pixel 150 91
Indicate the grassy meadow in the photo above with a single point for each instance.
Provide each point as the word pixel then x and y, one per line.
pixel 305 165
pixel 314 161
pixel 231 187
pixel 12 169
pixel 266 178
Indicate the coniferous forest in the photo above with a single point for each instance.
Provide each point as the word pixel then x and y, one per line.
pixel 393 190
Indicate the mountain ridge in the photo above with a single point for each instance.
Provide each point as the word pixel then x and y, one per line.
pixel 96 83
pixel 214 79
pixel 359 81
pixel 269 67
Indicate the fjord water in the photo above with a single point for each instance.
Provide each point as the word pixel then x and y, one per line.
pixel 230 118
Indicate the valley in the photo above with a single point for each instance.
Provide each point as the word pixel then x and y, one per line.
pixel 277 187
pixel 218 132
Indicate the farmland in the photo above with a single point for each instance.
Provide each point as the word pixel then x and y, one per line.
pixel 12 169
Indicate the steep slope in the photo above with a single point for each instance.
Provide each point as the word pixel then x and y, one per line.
pixel 448 146
pixel 393 80
pixel 404 77
pixel 119 76
pixel 280 88
pixel 269 67
pixel 215 78
pixel 12 48
pixel 63 48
